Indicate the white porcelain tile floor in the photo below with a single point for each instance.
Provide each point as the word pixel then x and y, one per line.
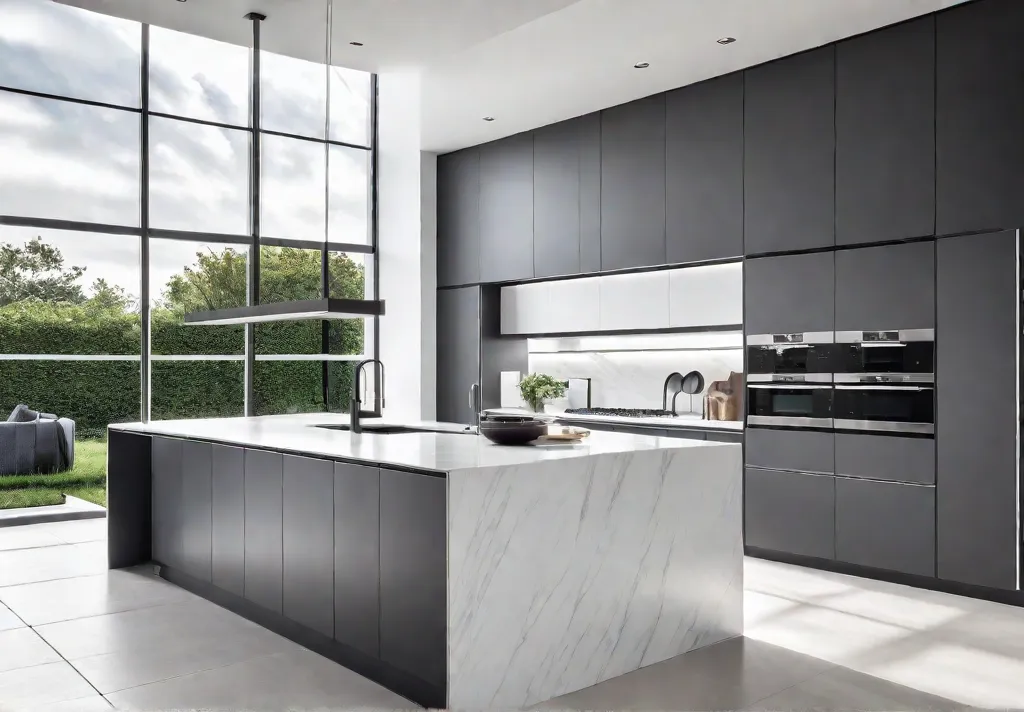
pixel 74 636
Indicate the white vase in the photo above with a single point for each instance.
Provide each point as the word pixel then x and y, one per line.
pixel 556 406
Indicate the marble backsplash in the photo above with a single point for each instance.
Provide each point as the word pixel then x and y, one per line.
pixel 634 379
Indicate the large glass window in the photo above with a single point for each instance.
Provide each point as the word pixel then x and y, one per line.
pixel 350 106
pixel 68 161
pixel 198 177
pixel 198 78
pixel 294 95
pixel 294 195
pixel 51 48
pixel 348 195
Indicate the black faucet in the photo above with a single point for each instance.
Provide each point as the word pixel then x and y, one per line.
pixel 355 412
pixel 674 381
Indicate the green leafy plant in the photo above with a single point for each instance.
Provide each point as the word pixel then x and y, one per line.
pixel 538 387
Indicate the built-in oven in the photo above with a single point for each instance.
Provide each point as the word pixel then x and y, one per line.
pixel 797 401
pixel 804 353
pixel 895 404
pixel 909 352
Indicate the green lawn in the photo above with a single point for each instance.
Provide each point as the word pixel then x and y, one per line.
pixel 87 480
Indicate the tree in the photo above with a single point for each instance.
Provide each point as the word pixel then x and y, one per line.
pixel 36 271
pixel 108 297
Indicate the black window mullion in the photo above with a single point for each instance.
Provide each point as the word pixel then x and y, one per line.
pixel 145 373
pixel 254 208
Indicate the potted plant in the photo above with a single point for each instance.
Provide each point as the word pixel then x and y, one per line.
pixel 539 387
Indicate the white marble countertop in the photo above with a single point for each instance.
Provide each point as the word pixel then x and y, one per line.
pixel 440 452
pixel 692 421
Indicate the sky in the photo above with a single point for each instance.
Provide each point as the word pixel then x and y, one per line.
pixel 76 162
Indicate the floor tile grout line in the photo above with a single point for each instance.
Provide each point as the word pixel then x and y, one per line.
pixel 830 668
pixel 107 613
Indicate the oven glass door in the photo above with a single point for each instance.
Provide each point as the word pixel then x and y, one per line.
pixel 789 358
pixel 789 405
pixel 908 358
pixel 885 408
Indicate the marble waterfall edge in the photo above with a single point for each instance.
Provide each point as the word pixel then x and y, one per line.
pixel 565 574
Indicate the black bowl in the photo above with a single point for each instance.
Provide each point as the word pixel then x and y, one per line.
pixel 512 433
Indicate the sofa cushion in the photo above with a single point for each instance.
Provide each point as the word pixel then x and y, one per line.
pixel 22 414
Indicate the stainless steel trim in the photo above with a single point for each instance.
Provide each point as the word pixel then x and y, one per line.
pixel 789 421
pixel 884 426
pixel 793 339
pixel 885 387
pixel 789 378
pixel 897 336
pixel 812 473
pixel 791 386
pixel 884 378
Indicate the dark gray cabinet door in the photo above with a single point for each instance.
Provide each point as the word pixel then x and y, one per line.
pixel 727 437
pixel 590 192
pixel 884 457
pixel 357 557
pixel 976 409
pixel 458 218
pixel 789 294
pixel 506 209
pixel 886 526
pixel 167 543
pixel 556 199
pixel 263 529
pixel 704 170
pixel 789 153
pixel 633 184
pixel 980 111
pixel 458 352
pixel 803 450
pixel 790 512
pixel 229 519
pixel 885 134
pixel 888 287
pixel 413 574
pixel 308 543
pixel 197 509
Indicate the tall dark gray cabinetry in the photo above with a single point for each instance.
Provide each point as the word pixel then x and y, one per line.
pixel 471 350
pixel 308 543
pixel 228 490
pixel 264 532
pixel 976 409
pixel 789 153
pixel 704 170
pixel 980 111
pixel 633 184
pixel 506 209
pixel 458 218
pixel 789 293
pixel 357 557
pixel 567 197
pixel 885 287
pixel 885 134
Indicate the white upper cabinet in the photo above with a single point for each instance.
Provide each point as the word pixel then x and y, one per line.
pixel 706 296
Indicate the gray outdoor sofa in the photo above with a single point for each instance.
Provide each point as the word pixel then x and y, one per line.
pixel 32 442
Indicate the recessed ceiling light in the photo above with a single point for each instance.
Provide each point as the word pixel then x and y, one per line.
pixel 725 40
pixel 641 65
pixel 488 118
pixel 356 44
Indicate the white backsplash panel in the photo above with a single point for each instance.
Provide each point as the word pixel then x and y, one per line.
pixel 634 379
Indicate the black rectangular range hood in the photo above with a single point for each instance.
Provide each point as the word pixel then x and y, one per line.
pixel 290 311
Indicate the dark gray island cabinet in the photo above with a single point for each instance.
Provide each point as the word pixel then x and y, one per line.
pixel 417 559
pixel 348 560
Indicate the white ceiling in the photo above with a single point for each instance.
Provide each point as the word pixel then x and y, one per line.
pixel 530 62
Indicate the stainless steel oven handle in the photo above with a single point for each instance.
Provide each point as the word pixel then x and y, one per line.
pixel 789 386
pixel 789 421
pixel 885 426
pixel 881 387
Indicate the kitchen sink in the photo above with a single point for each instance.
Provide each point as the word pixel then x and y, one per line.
pixel 384 429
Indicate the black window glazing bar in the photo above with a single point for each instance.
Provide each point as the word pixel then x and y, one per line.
pixel 73 100
pixel 254 209
pixel 145 374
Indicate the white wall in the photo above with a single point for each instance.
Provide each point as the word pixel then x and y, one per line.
pixel 407 207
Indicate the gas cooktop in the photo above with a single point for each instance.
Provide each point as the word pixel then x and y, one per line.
pixel 621 412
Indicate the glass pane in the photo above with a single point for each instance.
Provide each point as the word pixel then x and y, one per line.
pixel 68 161
pixel 288 387
pixel 64 292
pixel 349 198
pixel 294 191
pixel 197 389
pixel 198 177
pixel 198 77
pixel 186 277
pixel 56 49
pixel 340 375
pixel 294 95
pixel 349 280
pixel 289 274
pixel 350 106
pixel 94 394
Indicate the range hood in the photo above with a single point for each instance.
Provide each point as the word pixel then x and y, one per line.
pixel 290 311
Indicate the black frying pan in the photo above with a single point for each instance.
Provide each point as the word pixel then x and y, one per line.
pixel 693 383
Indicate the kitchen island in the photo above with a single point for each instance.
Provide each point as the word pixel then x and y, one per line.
pixel 453 571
